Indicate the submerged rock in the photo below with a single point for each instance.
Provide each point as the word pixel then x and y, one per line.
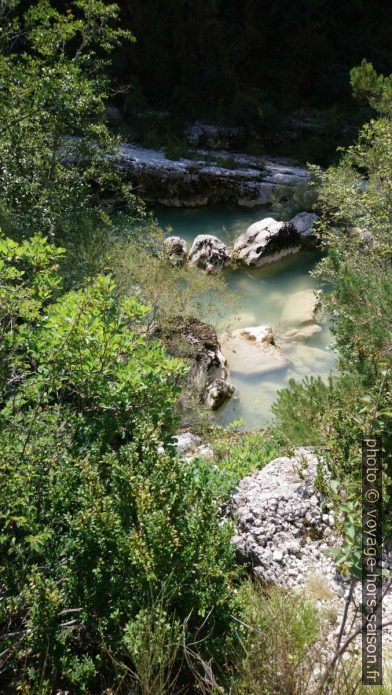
pixel 177 250
pixel 266 241
pixel 302 308
pixel 303 332
pixel 209 253
pixel 253 351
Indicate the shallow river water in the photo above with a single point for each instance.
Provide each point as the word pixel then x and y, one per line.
pixel 262 295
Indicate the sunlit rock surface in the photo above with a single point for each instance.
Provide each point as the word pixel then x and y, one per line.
pixel 266 241
pixel 253 351
pixel 209 178
pixel 209 253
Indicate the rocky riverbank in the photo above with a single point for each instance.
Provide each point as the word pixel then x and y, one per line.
pixel 209 177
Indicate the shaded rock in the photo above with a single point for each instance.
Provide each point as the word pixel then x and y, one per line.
pixel 303 223
pixel 302 308
pixel 266 241
pixel 177 249
pixel 209 253
pixel 214 136
pixel 217 393
pixel 208 379
pixel 113 116
pixel 253 351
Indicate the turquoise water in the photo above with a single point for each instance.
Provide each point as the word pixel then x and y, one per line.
pixel 261 297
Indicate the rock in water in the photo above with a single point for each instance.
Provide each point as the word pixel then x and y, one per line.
pixel 266 241
pixel 197 344
pixel 209 253
pixel 303 223
pixel 253 351
pixel 177 250
pixel 217 393
pixel 302 308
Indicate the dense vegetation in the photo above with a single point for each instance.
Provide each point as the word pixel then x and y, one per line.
pixel 355 201
pixel 116 571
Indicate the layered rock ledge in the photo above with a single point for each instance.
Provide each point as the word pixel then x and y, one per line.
pixel 209 178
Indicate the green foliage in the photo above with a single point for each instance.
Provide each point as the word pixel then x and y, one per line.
pixel 54 140
pixel 170 292
pixel 299 411
pixel 236 456
pixel 93 519
pixel 280 647
pixel 154 640
pixel 371 87
pixel 355 204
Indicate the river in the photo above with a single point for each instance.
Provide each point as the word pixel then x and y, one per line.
pixel 262 295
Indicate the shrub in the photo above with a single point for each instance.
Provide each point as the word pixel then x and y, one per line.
pixel 94 521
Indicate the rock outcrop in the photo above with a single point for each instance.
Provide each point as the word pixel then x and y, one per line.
pixel 303 224
pixel 197 344
pixel 209 253
pixel 285 532
pixel 207 179
pixel 266 241
pixel 281 529
pixel 253 351
pixel 177 250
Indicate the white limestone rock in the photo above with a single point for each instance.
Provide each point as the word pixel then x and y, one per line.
pixel 209 253
pixel 266 241
pixel 177 250
pixel 253 351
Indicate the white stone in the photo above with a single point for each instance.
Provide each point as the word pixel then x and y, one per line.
pixel 209 253
pixel 249 351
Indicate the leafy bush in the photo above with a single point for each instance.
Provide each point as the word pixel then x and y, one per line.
pixel 93 519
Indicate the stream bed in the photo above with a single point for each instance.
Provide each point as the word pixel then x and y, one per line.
pixel 261 297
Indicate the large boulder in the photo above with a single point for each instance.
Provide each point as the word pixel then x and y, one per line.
pixel 176 249
pixel 266 241
pixel 208 379
pixel 253 351
pixel 281 525
pixel 302 308
pixel 209 253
